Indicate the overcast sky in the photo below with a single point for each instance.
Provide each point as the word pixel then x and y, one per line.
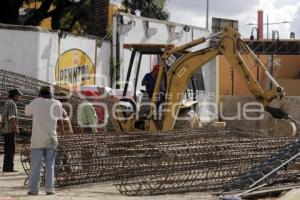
pixel 193 12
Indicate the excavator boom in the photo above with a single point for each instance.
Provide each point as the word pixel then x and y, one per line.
pixel 179 67
pixel 179 64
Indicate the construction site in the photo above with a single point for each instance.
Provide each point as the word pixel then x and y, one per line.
pixel 179 111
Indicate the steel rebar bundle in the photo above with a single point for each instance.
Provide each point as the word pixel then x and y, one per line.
pixel 144 163
pixel 161 163
pixel 30 88
pixel 202 165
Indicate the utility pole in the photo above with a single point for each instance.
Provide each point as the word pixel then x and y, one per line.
pixel 267 26
pixel 207 13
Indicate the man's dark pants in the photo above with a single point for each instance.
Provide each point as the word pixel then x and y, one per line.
pixel 9 152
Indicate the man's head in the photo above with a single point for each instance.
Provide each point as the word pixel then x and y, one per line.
pixel 155 69
pixel 14 94
pixel 46 92
pixel 62 96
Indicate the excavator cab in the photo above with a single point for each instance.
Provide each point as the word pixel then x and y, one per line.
pixel 137 102
pixel 141 105
pixel 138 52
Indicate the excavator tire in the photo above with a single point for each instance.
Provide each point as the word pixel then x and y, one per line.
pixel 187 118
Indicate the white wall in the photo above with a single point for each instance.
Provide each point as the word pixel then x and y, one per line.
pixel 34 52
pixel 103 64
pixel 27 51
pixel 85 44
pixel 137 34
pixel 46 57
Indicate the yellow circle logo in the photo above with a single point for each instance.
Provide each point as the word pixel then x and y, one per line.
pixel 73 69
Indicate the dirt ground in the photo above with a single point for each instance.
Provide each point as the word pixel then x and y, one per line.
pixel 12 187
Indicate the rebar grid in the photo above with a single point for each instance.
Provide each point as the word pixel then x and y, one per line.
pixel 176 161
pixel 202 165
pixel 29 87
pixel 164 162
pixel 146 163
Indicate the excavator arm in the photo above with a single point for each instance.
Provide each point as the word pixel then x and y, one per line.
pixel 178 65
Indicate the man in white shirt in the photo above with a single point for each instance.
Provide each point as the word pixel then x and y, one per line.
pixel 46 111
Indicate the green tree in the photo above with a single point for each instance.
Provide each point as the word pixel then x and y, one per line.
pixel 87 16
pixel 149 8
pixel 64 16
pixel 9 11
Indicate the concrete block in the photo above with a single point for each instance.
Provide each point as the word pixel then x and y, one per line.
pixel 232 107
pixel 291 195
pixel 219 124
pixel 281 128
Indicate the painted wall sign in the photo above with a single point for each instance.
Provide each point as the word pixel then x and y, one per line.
pixel 74 68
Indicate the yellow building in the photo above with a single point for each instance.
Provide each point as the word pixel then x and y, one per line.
pixel 287 75
pixel 46 23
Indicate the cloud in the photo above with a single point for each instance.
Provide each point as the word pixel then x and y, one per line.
pixel 193 12
pixel 278 4
pixel 224 7
pixel 234 7
pixel 279 11
pixel 295 23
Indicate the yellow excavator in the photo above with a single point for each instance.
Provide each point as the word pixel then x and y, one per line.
pixel 178 65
